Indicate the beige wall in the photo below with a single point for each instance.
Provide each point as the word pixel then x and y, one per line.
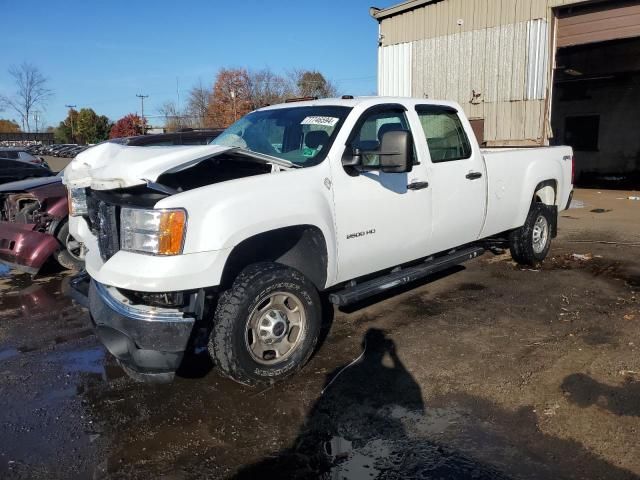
pixel 488 53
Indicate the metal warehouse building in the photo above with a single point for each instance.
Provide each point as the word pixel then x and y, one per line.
pixel 527 72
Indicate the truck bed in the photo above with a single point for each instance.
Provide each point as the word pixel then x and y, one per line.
pixel 514 174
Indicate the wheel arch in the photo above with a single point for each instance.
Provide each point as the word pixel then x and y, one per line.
pixel 546 192
pixel 301 247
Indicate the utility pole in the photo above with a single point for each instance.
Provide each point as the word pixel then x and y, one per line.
pixel 73 135
pixel 142 97
pixel 36 117
pixel 235 111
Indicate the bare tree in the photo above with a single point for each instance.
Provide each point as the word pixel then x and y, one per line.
pixel 268 88
pixel 173 118
pixel 31 92
pixel 198 104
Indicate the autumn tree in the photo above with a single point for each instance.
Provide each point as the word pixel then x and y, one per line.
pixel 8 126
pixel 31 92
pixel 230 99
pixel 128 126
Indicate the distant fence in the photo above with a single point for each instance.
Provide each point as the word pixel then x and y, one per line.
pixel 44 138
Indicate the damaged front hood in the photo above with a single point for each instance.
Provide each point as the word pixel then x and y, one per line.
pixel 109 165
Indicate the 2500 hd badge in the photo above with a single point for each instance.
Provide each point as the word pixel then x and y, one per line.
pixel 361 234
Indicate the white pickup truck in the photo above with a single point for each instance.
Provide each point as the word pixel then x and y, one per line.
pixel 235 242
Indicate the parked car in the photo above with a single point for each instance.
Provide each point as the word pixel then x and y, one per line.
pixel 60 152
pixel 34 214
pixel 13 170
pixel 34 225
pixel 346 198
pixel 17 153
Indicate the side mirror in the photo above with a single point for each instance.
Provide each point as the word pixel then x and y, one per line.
pixel 396 152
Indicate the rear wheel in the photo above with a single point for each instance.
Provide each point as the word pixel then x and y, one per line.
pixel 530 243
pixel 266 325
pixel 71 254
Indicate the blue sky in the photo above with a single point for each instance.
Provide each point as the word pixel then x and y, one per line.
pixel 99 54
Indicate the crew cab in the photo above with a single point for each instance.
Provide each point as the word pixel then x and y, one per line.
pixel 234 243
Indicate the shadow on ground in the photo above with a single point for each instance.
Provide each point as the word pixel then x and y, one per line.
pixel 370 422
pixel 584 391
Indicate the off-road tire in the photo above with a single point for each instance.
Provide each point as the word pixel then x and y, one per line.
pixel 62 256
pixel 227 345
pixel 521 240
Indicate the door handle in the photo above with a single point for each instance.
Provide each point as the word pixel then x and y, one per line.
pixel 473 175
pixel 417 185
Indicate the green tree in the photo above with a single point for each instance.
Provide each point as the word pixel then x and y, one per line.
pixel 65 132
pixel 84 126
pixel 312 83
pixel 91 127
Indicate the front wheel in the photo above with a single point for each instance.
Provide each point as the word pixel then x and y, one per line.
pixel 266 325
pixel 530 243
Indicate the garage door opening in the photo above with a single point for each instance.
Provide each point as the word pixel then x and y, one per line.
pixel 596 93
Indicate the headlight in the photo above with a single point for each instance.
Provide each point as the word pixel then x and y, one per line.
pixel 159 232
pixel 77 202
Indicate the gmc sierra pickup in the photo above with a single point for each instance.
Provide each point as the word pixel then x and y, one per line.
pixel 236 241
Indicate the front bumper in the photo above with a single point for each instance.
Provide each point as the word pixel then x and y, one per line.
pixel 148 342
pixel 24 248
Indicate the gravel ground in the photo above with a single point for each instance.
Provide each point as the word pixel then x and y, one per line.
pixel 488 371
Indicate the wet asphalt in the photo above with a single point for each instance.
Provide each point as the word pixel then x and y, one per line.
pixel 489 371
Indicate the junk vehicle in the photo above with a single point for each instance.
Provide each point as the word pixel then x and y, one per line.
pixel 34 212
pixel 235 242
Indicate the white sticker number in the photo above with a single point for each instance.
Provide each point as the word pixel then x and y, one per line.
pixel 326 121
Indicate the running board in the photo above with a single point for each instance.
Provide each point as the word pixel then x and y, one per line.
pixel 394 279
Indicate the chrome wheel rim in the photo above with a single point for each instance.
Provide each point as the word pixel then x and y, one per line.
pixel 75 248
pixel 540 234
pixel 276 327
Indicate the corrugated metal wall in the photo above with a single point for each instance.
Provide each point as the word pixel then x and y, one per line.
pixel 394 70
pixel 491 56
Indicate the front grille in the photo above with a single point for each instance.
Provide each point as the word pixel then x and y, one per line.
pixel 104 223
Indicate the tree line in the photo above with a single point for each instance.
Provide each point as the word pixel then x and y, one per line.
pixel 233 93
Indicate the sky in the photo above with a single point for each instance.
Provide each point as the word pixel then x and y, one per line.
pixel 100 54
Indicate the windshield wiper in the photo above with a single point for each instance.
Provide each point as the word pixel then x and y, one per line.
pixel 263 156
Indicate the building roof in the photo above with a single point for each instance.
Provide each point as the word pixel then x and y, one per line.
pixel 381 13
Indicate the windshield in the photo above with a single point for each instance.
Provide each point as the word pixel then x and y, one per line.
pixel 301 135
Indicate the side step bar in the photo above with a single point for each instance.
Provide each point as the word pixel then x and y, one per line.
pixel 356 293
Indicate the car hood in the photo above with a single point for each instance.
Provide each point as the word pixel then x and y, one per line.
pixel 28 184
pixel 109 165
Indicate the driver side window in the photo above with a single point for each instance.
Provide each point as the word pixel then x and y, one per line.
pixel 369 136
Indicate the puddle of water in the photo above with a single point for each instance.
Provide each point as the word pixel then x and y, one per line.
pixel 81 361
pixel 4 270
pixel 8 353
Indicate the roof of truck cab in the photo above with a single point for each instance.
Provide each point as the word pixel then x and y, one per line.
pixel 357 101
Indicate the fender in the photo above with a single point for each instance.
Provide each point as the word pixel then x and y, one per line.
pixel 238 210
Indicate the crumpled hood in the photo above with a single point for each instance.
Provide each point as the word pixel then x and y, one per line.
pixel 109 165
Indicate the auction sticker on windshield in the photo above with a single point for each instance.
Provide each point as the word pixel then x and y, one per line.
pixel 317 120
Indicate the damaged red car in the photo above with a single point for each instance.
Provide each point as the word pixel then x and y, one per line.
pixel 34 225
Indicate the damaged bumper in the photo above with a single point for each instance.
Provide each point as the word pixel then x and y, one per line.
pixel 24 248
pixel 148 342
